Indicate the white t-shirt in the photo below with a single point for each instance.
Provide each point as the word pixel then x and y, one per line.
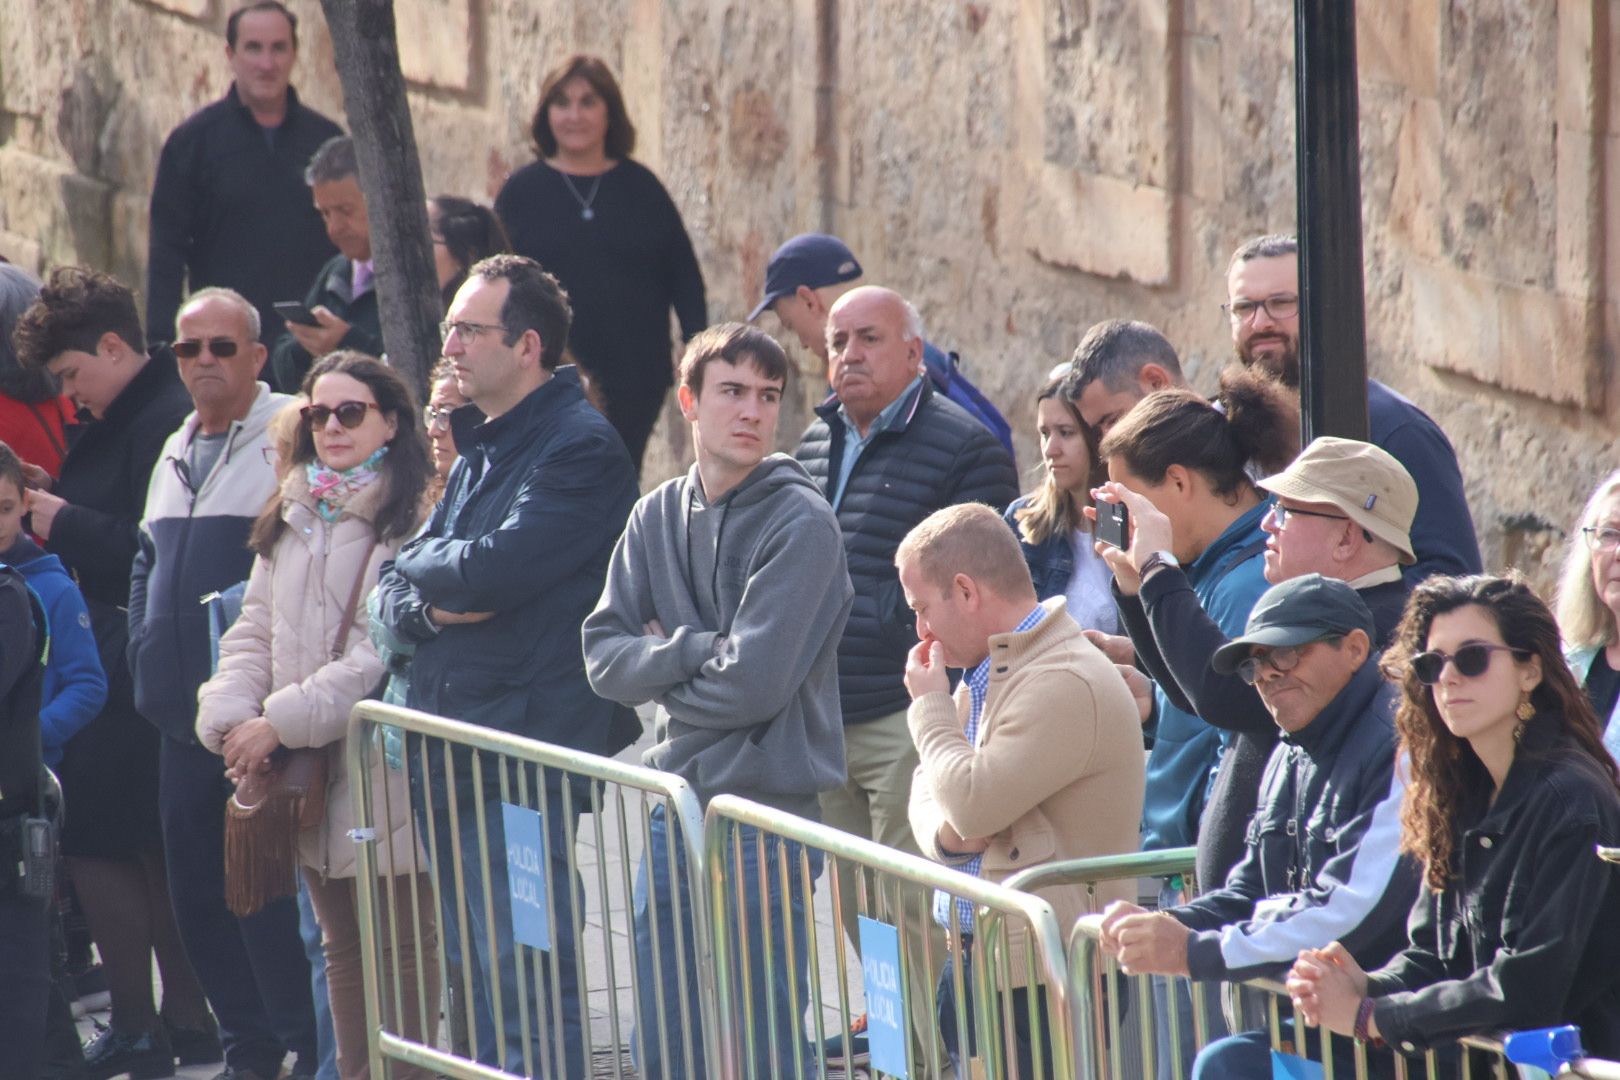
pixel 1091 602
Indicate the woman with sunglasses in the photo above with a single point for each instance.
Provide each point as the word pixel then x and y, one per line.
pixel 1518 925
pixel 298 659
pixel 1589 605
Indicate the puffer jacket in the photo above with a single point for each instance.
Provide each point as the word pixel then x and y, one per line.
pixel 932 454
pixel 275 661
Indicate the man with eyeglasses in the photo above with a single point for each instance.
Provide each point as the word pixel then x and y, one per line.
pixel 1343 509
pixel 210 484
pixel 492 596
pixel 1321 860
pixel 1262 286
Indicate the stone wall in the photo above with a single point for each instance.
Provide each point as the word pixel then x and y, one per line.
pixel 1021 169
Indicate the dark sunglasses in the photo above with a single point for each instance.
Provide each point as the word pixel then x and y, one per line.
pixel 351 414
pixel 222 347
pixel 1470 661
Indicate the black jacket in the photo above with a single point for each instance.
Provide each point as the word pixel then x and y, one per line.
pixel 934 454
pixel 104 480
pixel 1167 611
pixel 525 529
pixel 1321 861
pixel 1527 933
pixel 230 207
pixel 22 677
pixel 333 290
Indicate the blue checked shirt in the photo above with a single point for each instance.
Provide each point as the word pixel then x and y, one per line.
pixel 978 684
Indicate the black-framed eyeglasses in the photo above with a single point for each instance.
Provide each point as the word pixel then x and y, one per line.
pixel 1601 538
pixel 1283 658
pixel 1279 307
pixel 1282 513
pixel 433 417
pixel 1470 661
pixel 467 331
pixel 191 348
pixel 351 414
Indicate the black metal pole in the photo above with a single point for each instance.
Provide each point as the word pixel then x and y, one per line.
pixel 1333 335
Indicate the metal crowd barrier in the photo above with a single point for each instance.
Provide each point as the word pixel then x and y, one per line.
pixel 550 970
pixel 761 1014
pixel 1115 1034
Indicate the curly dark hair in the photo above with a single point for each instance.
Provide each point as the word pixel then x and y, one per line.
pixel 1178 427
pixel 621 133
pixel 1449 782
pixel 76 306
pixel 406 469
pixel 470 232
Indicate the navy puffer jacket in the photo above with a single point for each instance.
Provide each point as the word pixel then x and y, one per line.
pixel 932 454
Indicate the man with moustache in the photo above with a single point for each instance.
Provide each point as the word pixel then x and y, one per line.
pixel 1262 288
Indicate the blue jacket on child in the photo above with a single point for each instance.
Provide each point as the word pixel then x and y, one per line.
pixel 75 684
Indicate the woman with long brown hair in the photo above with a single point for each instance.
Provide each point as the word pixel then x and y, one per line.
pixel 298 658
pixel 1054 535
pixel 604 225
pixel 1511 788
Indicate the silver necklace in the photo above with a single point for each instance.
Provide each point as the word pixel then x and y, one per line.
pixel 585 202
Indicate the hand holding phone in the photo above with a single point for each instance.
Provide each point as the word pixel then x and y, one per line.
pixel 294 311
pixel 1113 523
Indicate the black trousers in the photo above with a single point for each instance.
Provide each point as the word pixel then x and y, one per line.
pixel 25 985
pixel 634 413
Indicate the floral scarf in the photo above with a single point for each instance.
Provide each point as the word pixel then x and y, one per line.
pixel 333 490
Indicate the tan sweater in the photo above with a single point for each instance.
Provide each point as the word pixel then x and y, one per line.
pixel 1058 772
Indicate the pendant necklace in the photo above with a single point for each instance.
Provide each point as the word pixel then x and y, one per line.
pixel 585 202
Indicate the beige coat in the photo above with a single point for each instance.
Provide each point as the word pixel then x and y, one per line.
pixel 275 661
pixel 1058 772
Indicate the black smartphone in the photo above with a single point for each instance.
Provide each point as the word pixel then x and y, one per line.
pixel 1113 523
pixel 294 311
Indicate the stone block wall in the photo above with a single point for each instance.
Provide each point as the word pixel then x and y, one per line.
pixel 1021 169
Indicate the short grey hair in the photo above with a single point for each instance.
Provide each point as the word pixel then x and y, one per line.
pixel 911 329
pixel 249 313
pixel 334 160
pixel 1114 352
pixel 18 291
pixel 1270 246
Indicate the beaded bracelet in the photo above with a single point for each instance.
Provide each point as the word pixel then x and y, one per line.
pixel 1364 1013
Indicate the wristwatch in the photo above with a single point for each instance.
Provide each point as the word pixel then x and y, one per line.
pixel 1156 560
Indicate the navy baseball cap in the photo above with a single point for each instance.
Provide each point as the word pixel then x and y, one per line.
pixel 813 260
pixel 1299 610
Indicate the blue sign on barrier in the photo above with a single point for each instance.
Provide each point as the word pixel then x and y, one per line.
pixel 1289 1067
pixel 526 874
pixel 885 985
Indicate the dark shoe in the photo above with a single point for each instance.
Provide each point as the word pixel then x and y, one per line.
pixel 228 1073
pixel 195 1045
pixel 859 1051
pixel 144 1056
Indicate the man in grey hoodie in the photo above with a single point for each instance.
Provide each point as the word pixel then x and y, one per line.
pixel 725 603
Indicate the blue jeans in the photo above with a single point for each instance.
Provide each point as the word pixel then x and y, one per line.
pixel 554 1020
pixel 654 912
pixel 325 1039
pixel 1021 1039
pixel 1239 1057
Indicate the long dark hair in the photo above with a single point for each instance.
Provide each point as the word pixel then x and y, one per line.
pixel 470 232
pixel 405 469
pixel 621 133
pixel 1178 427
pixel 1447 776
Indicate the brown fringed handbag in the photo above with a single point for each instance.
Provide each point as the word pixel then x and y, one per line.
pixel 267 812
